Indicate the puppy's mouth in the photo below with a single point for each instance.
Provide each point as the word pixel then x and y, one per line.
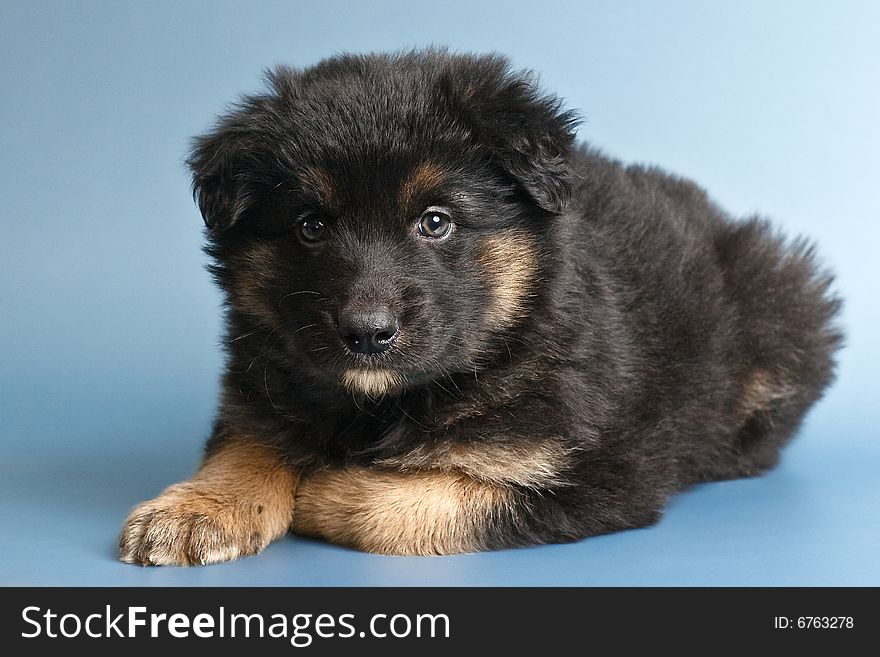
pixel 396 365
pixel 373 382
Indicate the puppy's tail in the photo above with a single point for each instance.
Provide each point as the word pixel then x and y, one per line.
pixel 787 336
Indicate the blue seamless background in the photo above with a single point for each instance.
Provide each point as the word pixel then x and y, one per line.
pixel 109 328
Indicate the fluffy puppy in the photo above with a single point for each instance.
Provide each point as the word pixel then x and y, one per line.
pixel 450 329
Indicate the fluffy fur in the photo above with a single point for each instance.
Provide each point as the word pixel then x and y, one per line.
pixel 589 339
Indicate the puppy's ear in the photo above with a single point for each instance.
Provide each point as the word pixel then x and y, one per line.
pixel 232 163
pixel 220 181
pixel 529 133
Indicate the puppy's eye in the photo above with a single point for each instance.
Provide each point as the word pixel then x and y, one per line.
pixel 311 228
pixel 435 224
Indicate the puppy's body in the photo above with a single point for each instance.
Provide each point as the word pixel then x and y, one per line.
pixel 585 340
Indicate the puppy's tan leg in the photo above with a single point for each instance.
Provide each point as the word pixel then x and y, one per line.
pixel 240 500
pixel 390 512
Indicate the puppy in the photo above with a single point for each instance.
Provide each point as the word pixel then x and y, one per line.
pixel 451 329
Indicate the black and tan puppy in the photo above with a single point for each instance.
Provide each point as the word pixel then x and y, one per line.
pixel 450 329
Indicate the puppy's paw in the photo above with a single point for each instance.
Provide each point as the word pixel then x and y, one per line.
pixel 191 524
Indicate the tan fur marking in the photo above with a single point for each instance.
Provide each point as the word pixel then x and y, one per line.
pixel 252 274
pixel 371 382
pixel 510 260
pixel 760 392
pixel 321 181
pixel 239 501
pixel 538 465
pixel 387 512
pixel 426 177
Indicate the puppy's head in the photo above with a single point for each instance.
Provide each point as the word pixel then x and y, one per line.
pixel 385 217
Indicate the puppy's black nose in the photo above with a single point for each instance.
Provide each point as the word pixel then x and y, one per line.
pixel 369 331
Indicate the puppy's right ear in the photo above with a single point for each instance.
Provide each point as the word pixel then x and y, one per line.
pixel 232 163
pixel 221 184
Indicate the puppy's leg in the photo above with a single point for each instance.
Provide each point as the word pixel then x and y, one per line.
pixel 447 511
pixel 240 500
pixel 391 512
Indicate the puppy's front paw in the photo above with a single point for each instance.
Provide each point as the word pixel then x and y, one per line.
pixel 192 524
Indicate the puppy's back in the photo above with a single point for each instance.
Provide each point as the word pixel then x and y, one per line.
pixel 730 325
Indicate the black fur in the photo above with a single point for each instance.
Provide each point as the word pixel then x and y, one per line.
pixel 663 342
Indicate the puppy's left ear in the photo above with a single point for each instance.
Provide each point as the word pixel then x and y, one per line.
pixel 529 133
pixel 533 138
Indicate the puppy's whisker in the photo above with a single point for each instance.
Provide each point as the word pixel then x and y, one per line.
pixel 266 386
pixel 245 335
pixel 303 328
pixel 263 351
pixel 290 294
pixel 402 410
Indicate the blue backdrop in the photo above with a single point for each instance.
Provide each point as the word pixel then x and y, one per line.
pixel 109 325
